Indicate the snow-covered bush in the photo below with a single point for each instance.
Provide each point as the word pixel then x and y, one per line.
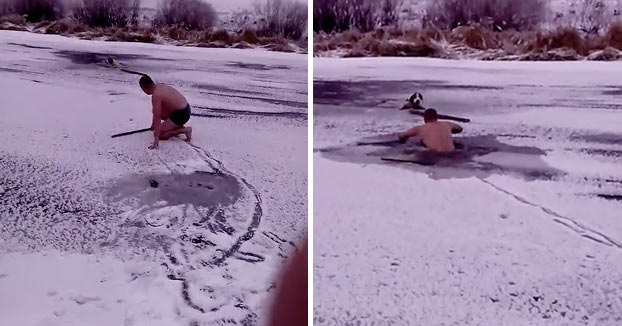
pixel 282 18
pixel 189 14
pixel 363 15
pixel 497 14
pixel 33 10
pixel 104 13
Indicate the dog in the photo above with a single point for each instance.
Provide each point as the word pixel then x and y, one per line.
pixel 414 102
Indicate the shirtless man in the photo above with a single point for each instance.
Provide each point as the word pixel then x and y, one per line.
pixel 170 111
pixel 435 135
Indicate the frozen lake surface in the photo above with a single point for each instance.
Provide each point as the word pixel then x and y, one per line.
pixel 522 229
pixel 101 230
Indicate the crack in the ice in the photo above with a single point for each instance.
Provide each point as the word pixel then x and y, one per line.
pixel 581 229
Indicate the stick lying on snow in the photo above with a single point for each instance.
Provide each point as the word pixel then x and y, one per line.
pixel 130 132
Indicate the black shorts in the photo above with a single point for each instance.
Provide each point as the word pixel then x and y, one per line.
pixel 180 117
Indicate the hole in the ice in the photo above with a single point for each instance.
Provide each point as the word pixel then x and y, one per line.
pixel 478 156
pixel 178 189
pixel 87 58
pixel 257 66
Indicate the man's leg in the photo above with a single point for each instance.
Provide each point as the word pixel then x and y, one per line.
pixel 170 129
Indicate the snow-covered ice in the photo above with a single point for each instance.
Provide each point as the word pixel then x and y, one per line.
pixel 86 239
pixel 523 230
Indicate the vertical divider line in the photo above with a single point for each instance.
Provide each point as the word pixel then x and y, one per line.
pixel 310 158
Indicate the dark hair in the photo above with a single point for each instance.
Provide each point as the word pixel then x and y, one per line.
pixel 145 81
pixel 430 115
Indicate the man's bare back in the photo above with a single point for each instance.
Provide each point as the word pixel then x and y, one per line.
pixel 170 100
pixel 435 135
pixel 170 111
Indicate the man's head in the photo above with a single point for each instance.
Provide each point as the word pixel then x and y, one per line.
pixel 147 84
pixel 430 115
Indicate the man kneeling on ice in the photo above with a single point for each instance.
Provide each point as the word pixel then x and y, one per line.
pixel 170 111
pixel 434 135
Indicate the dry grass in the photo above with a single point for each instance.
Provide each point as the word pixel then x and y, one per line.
pixel 613 37
pixel 177 33
pixel 63 27
pixel 249 36
pixel 563 37
pixel 475 41
pixel 218 38
pixel 145 35
pixel 13 19
pixel 473 36
pixel 382 42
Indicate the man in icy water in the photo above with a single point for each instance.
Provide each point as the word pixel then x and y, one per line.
pixel 170 111
pixel 434 135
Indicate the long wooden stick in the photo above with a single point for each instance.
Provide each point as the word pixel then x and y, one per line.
pixel 133 72
pixel 442 116
pixel 130 132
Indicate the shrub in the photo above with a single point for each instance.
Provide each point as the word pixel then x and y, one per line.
pixel 189 14
pixel 219 36
pixel 106 13
pixel 242 19
pixel 6 8
pixel 282 18
pixel 177 33
pixel 249 36
pixel 563 37
pixel 589 16
pixel 33 10
pixel 433 33
pixel 613 37
pixel 474 36
pixel 364 15
pixel 13 19
pixel 497 14
pixel 60 27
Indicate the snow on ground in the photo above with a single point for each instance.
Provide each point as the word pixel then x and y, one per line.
pixel 85 238
pixel 523 228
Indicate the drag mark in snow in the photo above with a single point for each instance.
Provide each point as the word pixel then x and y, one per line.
pixel 257 214
pixel 220 113
pixel 186 295
pixel 296 104
pixel 583 230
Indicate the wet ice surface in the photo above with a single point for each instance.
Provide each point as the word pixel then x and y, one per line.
pixel 521 227
pixel 476 156
pixel 184 235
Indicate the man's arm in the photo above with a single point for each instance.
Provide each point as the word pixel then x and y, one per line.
pixel 408 134
pixel 455 128
pixel 157 120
